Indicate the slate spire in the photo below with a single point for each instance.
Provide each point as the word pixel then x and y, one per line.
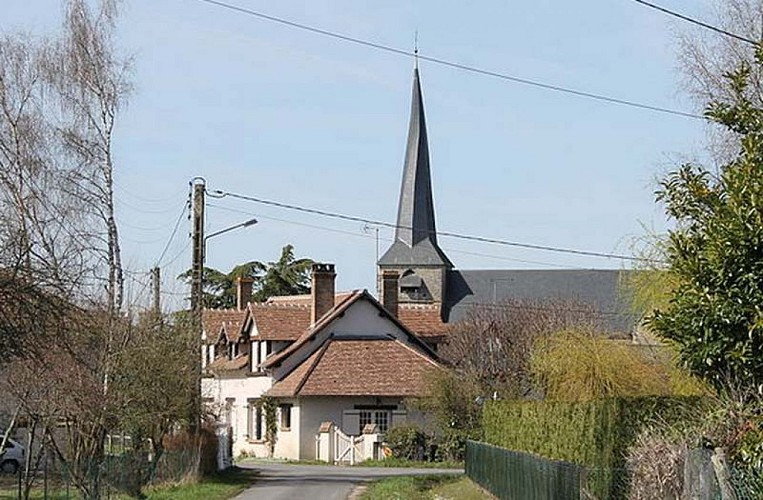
pixel 415 236
pixel 415 211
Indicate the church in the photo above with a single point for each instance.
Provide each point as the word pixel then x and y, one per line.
pixel 428 279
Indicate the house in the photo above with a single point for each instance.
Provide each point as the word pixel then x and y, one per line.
pixel 428 278
pixel 332 357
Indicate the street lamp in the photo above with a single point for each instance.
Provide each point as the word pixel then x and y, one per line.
pixel 198 267
pixel 247 223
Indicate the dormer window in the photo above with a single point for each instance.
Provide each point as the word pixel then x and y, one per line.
pixel 412 286
pixel 410 281
pixel 232 350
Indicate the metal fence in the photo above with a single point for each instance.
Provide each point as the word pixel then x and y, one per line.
pixel 515 475
pixel 521 476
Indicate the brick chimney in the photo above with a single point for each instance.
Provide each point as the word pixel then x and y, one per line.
pixel 243 292
pixel 389 290
pixel 322 292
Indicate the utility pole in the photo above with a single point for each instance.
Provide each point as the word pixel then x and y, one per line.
pixel 197 268
pixel 156 287
pixel 197 263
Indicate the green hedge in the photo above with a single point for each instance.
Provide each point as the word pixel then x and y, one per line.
pixel 595 434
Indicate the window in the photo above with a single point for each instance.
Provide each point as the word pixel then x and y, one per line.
pixel 256 356
pixel 258 423
pixel 228 411
pixel 285 417
pixel 254 420
pixel 380 417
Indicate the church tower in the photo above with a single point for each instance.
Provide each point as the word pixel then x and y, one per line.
pixel 415 256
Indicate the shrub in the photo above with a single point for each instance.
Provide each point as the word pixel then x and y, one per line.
pixel 407 442
pixel 450 445
pixel 596 434
pixel 656 466
pixel 581 366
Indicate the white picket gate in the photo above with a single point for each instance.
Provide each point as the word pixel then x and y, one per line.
pixel 347 449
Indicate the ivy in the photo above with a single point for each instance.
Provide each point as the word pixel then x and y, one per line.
pixel 269 408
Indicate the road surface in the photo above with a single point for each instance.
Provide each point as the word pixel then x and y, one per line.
pixel 318 482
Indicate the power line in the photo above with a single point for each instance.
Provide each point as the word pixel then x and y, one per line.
pixel 531 246
pixel 179 254
pixel 366 236
pixel 697 22
pixel 451 64
pixel 186 206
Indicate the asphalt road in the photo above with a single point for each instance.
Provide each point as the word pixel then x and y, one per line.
pixel 318 482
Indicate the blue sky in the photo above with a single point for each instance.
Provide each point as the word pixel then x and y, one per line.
pixel 265 110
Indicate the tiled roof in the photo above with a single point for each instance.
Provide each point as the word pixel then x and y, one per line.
pixel 280 321
pixel 339 308
pixel 303 300
pixel 280 318
pixel 424 320
pixel 223 364
pixel 228 320
pixel 345 367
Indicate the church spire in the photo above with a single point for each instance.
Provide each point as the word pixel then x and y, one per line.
pixel 415 212
pixel 415 235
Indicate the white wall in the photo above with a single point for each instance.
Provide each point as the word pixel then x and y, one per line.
pixel 287 442
pixel 316 410
pixel 241 389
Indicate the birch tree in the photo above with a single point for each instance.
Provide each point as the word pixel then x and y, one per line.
pixel 93 84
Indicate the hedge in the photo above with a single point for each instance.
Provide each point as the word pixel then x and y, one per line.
pixel 595 434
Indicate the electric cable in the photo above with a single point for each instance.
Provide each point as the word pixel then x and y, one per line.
pixel 451 64
pixel 335 215
pixel 697 22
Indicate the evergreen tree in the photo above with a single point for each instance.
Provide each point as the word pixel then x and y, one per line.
pixel 715 315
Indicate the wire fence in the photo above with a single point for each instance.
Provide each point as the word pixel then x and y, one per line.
pixel 512 474
pixel 123 471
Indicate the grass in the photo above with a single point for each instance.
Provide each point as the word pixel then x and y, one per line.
pixel 218 487
pixel 398 462
pixel 461 489
pixel 456 487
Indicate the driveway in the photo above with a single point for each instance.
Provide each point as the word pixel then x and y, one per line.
pixel 318 482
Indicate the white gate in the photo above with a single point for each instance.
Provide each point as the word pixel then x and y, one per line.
pixel 347 449
pixel 224 458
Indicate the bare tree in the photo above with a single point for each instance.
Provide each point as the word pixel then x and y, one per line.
pixel 704 57
pixel 492 344
pixel 92 83
pixel 59 101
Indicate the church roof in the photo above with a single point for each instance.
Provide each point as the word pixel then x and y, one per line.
pixel 416 233
pixel 599 289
